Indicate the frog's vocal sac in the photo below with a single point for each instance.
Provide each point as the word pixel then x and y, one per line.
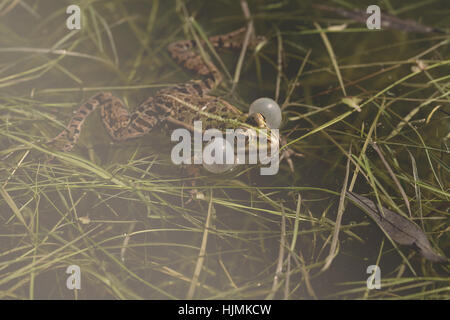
pixel 173 107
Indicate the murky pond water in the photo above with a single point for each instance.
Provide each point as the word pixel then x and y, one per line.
pixel 123 212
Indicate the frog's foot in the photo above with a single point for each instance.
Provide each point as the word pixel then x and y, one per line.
pixel 193 171
pixel 61 142
pixel 194 194
pixel 287 154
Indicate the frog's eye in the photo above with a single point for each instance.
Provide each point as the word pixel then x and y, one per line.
pixel 269 109
pixel 257 120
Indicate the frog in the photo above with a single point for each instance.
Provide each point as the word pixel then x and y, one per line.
pixel 173 107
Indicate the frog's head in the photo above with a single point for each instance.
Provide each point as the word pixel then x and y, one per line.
pixel 257 120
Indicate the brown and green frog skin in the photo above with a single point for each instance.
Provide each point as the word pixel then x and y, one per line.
pixel 177 106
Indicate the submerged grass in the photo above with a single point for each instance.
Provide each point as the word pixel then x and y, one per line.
pixel 121 211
